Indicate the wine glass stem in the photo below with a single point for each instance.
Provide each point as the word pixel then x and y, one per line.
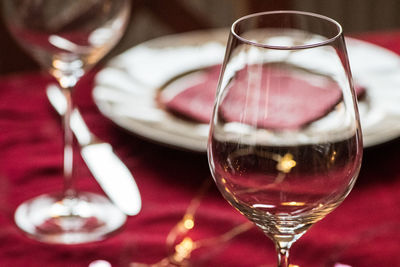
pixel 282 245
pixel 283 257
pixel 69 187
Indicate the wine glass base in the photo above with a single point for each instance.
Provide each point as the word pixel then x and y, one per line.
pixel 51 218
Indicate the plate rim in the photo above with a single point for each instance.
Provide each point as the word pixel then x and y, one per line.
pixel 182 141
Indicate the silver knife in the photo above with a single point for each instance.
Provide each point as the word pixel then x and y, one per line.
pixel 110 172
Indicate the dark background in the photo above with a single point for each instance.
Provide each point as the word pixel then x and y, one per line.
pixel 153 18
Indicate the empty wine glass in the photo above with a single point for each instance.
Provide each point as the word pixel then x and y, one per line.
pixel 67 37
pixel 285 143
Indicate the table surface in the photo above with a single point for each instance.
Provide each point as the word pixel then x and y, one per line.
pixel 363 231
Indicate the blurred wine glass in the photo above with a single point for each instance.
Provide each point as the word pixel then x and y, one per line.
pixel 285 143
pixel 67 38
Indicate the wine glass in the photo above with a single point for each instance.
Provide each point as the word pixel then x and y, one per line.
pixel 67 38
pixel 285 143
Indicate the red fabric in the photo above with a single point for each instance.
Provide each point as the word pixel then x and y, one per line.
pixel 363 231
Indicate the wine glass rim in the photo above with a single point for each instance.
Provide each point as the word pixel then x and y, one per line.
pixel 282 47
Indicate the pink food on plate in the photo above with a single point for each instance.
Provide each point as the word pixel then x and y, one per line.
pixel 283 99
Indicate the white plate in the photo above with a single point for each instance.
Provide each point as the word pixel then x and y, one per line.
pixel 126 89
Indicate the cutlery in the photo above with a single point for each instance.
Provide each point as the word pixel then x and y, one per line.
pixel 110 172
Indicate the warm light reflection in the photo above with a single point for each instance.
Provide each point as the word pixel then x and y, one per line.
pixel 293 204
pixel 57 64
pixel 183 249
pixel 227 190
pixel 333 157
pixel 188 221
pixel 286 163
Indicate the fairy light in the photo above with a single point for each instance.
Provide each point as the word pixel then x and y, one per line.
pixel 286 163
pixel 188 221
pixel 183 249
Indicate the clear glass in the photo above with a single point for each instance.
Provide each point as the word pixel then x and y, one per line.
pixel 285 143
pixel 67 38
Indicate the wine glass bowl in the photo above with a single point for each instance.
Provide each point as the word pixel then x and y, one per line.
pixel 67 38
pixel 285 143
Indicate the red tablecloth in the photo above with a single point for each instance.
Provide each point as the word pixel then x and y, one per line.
pixel 363 231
